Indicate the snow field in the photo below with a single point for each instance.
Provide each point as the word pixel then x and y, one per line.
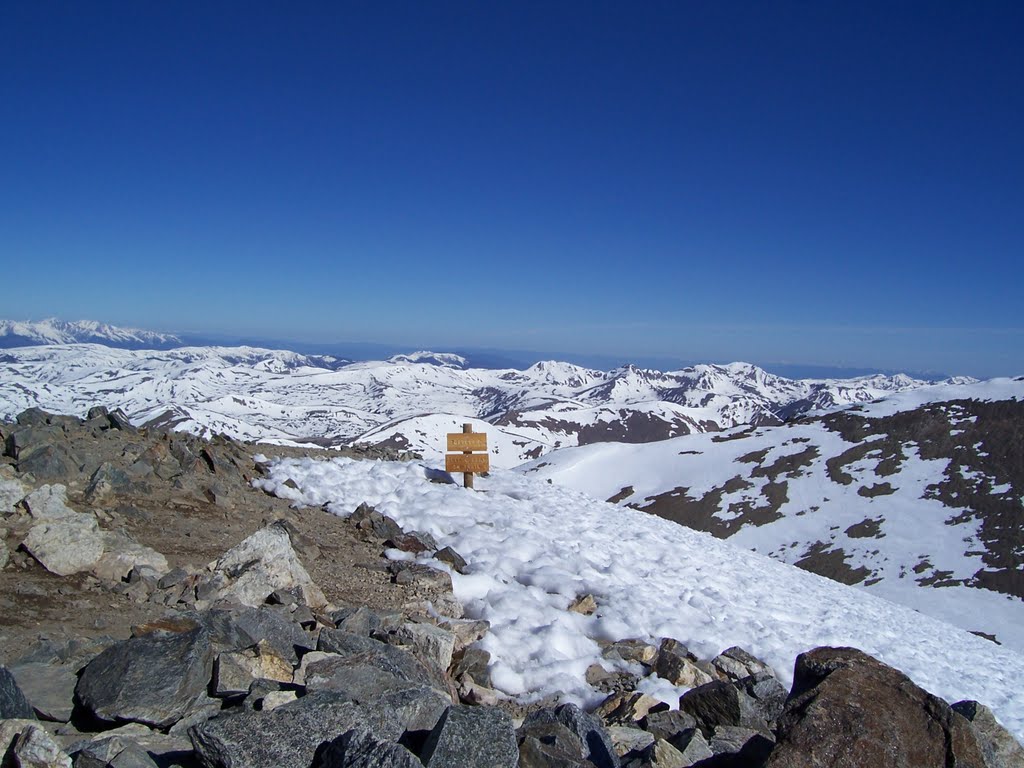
pixel 533 547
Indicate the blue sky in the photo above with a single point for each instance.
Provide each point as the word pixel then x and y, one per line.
pixel 818 183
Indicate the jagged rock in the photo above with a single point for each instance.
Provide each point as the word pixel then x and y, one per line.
pixel 735 745
pixel 472 736
pixel 847 710
pixel 359 748
pixel 30 437
pixel 235 671
pixel 289 736
pixel 48 502
pixel 172 578
pixel 585 604
pixel 357 681
pixel 676 664
pixel 767 694
pixel 999 747
pixel 5 554
pixel 668 724
pixel 106 480
pixel 113 752
pixel 368 520
pixel 626 707
pixel 121 554
pixel 35 748
pixel 588 728
pixel 414 542
pixel 719 703
pixel 13 702
pixel 433 644
pixel 274 699
pixel 242 627
pixel 631 650
pixel 49 688
pixel 264 562
pixel 453 558
pixel 735 664
pixel 467 631
pixel 627 739
pixel 550 745
pixel 157 678
pixel 473 662
pixel 66 545
pixel 659 754
pixel 47 462
pixel 421 576
pixel 11 492
pixel 118 420
pixel 692 747
pixel 33 417
pixel 389 659
pixel 611 680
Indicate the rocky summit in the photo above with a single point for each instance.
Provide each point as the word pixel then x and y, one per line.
pixel 160 611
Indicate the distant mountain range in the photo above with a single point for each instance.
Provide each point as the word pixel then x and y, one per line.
pixel 52 331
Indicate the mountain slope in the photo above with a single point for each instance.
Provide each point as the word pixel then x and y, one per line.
pixel 918 498
pixel 533 548
pixel 287 397
pixel 53 331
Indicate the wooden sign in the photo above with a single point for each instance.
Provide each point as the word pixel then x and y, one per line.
pixel 467 462
pixel 467 441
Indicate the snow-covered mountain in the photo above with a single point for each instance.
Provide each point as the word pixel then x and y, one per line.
pixel 53 331
pixel 411 401
pixel 918 498
pixel 532 549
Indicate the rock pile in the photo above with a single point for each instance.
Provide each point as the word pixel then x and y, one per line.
pixel 248 661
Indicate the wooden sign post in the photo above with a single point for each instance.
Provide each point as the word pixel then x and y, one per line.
pixel 467 462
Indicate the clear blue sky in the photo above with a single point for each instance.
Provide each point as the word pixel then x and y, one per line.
pixel 820 183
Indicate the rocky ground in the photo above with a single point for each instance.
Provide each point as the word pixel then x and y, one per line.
pixel 159 611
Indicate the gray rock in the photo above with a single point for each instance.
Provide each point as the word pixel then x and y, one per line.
pixel 371 522
pixel 676 664
pixel 719 703
pixel 414 541
pixel 627 739
pixel 355 649
pixel 35 748
pixel 422 576
pixel 742 746
pixel 66 545
pixel 22 441
pixel 49 688
pixel 289 736
pixel 11 492
pixel 113 752
pixel 172 578
pixel 48 463
pixel 33 417
pixel 263 563
pixel 474 662
pixel 48 502
pixel 158 678
pixel 108 479
pixel 767 694
pixel 692 747
pixel 735 664
pixel 588 728
pixel 243 627
pixel 550 745
pixel 660 754
pixel 633 650
pixel 999 747
pixel 359 748
pixel 121 553
pixel 235 671
pixel 668 724
pixel 357 681
pixel 626 707
pixel 472 736
pixel 13 703
pixel 433 644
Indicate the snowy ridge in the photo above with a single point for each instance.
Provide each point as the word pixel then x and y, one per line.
pixel 54 331
pixel 915 498
pixel 282 396
pixel 532 548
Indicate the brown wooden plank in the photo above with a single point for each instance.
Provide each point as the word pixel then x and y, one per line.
pixel 467 462
pixel 467 441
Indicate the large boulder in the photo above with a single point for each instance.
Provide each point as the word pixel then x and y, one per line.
pixel 156 679
pixel 121 553
pixel 472 736
pixel 48 502
pixel 849 710
pixel 260 565
pixel 676 664
pixel 588 729
pixel 49 688
pixel 290 735
pixel 13 703
pixel 359 748
pixel 66 545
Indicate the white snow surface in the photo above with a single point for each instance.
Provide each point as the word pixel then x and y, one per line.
pixel 54 331
pixel 533 547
